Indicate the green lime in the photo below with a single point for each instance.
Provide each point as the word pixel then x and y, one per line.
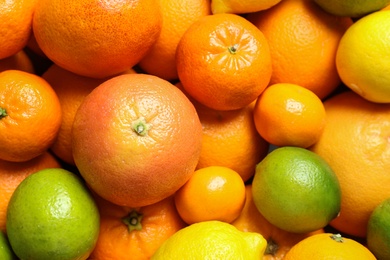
pixel 378 231
pixel 212 240
pixel 352 8
pixel 52 215
pixel 296 190
pixel 6 252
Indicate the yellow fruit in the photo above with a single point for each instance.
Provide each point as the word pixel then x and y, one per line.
pixel 212 240
pixel 363 57
pixel 240 6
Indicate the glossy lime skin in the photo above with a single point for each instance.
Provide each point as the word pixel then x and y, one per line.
pixel 52 215
pixel 296 190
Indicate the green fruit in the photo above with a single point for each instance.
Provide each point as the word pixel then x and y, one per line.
pixel 378 231
pixel 296 190
pixel 6 252
pixel 352 8
pixel 212 240
pixel 52 215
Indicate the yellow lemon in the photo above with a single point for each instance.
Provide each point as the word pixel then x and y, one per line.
pixel 212 240
pixel 239 6
pixel 352 8
pixel 363 57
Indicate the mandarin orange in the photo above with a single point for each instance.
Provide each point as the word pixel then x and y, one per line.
pixel 30 115
pixel 223 61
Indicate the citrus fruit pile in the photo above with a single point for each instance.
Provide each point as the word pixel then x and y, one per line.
pixel 194 129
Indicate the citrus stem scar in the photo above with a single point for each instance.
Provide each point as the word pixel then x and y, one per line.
pixel 3 113
pixel 337 237
pixel 272 247
pixel 133 221
pixel 140 126
pixel 233 49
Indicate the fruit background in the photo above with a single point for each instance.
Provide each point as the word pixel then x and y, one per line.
pixel 194 129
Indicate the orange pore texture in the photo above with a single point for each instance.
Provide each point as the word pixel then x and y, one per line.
pixel 33 115
pixel 96 38
pixel 18 61
pixel 303 41
pixel 125 167
pixel 223 61
pixel 355 143
pixel 177 17
pixel 15 30
pixel 13 173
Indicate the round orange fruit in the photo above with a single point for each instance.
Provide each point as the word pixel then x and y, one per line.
pixel 223 61
pixel 136 139
pixel 96 38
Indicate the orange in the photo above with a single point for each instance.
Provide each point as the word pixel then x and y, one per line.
pixel 177 17
pixel 96 38
pixel 289 115
pixel 223 61
pixel 136 139
pixel 16 20
pixel 12 173
pixel 279 241
pixel 303 41
pixel 329 246
pixel 134 233
pixel 230 139
pixel 30 115
pixel 212 193
pixel 18 61
pixel 355 145
pixel 71 90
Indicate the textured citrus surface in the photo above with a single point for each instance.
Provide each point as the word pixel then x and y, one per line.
pixel 71 89
pixel 96 38
pixel 230 139
pixel 212 240
pixel 303 40
pixel 278 241
pixel 18 61
pixel 177 17
pixel 289 114
pixel 134 233
pixel 212 193
pixel 355 144
pixel 63 219
pixel 223 61
pixel 30 115
pixel 6 252
pixel 12 173
pixel 329 246
pixel 16 20
pixel 239 7
pixel 296 190
pixel 378 235
pixel 136 139
pixel 352 8
pixel 363 57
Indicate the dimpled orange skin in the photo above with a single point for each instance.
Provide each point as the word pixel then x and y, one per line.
pixel 223 61
pixel 127 168
pixel 33 115
pixel 15 30
pixel 96 38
